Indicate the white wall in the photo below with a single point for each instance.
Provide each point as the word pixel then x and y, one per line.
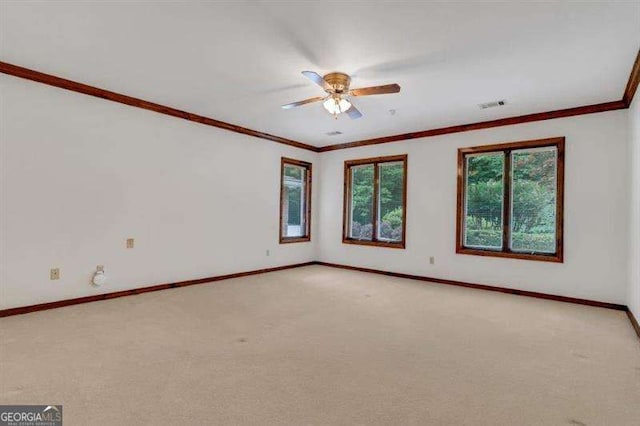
pixel 596 183
pixel 634 219
pixel 79 175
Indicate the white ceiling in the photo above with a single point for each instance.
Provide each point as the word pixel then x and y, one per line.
pixel 239 61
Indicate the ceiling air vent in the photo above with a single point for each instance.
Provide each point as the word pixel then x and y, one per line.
pixel 334 133
pixel 493 104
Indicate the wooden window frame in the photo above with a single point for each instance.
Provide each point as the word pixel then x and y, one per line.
pixel 308 166
pixel 375 161
pixel 506 148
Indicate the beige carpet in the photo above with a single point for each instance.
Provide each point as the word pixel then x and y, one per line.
pixel 318 345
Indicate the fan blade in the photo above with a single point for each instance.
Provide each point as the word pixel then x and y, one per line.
pixel 375 90
pixel 306 101
pixel 316 78
pixel 353 112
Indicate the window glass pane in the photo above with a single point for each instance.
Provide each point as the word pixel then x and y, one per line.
pixel 361 205
pixel 484 199
pixel 294 201
pixel 390 197
pixel 533 200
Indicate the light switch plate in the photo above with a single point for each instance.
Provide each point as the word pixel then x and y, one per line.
pixel 54 274
pixel 130 242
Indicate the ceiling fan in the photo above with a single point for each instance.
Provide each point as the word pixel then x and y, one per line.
pixel 336 84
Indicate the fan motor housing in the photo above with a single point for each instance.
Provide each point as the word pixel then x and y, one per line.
pixel 339 81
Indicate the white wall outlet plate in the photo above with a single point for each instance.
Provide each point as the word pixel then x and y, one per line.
pixel 54 274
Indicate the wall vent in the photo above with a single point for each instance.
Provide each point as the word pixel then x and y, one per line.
pixel 334 133
pixel 493 104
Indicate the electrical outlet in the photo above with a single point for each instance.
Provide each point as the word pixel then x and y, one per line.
pixel 54 274
pixel 130 242
pixel 268 252
pixel 432 260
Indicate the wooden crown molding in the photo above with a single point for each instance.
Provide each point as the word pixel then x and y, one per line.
pixel 74 86
pixel 632 84
pixel 625 102
pixel 588 109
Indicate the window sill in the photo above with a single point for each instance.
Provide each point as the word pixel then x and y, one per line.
pixel 557 258
pixel 396 245
pixel 287 240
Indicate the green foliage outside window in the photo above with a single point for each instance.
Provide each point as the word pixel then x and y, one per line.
pixel 391 177
pixel 362 202
pixel 533 200
pixel 391 198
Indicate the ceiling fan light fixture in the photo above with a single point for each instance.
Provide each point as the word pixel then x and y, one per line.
pixel 336 87
pixel 336 106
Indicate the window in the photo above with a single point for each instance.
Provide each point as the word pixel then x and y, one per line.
pixel 374 201
pixel 510 200
pixel 295 201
